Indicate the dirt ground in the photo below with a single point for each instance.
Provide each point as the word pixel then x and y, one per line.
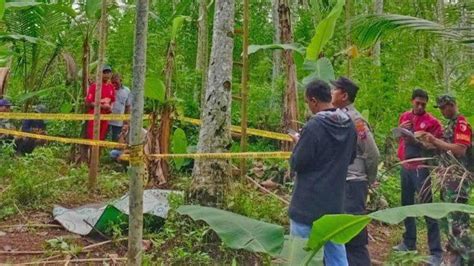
pixel 26 242
pixel 23 240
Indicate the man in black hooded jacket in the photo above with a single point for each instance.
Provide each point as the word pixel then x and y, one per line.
pixel 321 158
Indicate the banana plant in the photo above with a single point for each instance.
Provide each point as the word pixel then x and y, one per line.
pixel 241 232
pixel 318 68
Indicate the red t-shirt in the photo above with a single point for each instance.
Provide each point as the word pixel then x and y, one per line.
pixel 425 122
pixel 462 132
pixel 108 91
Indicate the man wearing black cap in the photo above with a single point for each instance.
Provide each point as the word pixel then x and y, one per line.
pixel 361 172
pixel 457 140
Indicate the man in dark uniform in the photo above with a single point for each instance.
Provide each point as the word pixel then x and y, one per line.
pixel 457 140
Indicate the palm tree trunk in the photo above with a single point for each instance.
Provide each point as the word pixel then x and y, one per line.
pixel 444 52
pixel 94 163
pixel 378 8
pixel 137 171
pixel 211 176
pixel 290 99
pixel 348 10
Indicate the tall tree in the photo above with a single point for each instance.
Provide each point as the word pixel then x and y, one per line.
pixel 211 176
pixel 445 68
pixel 276 71
pixel 378 9
pixel 94 163
pixel 137 170
pixel 348 11
pixel 245 88
pixel 290 98
pixel 202 58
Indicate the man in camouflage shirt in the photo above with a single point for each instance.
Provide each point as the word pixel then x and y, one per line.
pixel 457 140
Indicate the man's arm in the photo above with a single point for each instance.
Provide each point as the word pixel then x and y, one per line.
pixel 90 97
pixel 369 149
pixel 303 153
pixel 458 150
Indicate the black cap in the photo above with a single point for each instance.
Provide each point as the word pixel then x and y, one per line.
pixel 347 85
pixel 106 68
pixel 444 99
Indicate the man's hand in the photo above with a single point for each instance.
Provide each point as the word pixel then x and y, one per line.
pixel 427 137
pixel 406 125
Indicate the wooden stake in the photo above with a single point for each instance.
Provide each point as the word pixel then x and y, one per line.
pixel 94 163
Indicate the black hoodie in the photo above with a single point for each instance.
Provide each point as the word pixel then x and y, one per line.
pixel 320 159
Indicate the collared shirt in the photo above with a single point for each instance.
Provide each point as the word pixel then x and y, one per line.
pixel 108 91
pixel 365 164
pixel 424 122
pixel 122 99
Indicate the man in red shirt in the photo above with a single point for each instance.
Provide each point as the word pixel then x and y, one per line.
pixel 415 178
pixel 106 100
pixel 457 140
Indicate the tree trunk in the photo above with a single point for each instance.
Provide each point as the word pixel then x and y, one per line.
pixel 211 176
pixel 378 9
pixel 276 71
pixel 290 104
pixel 165 125
pixel 136 171
pixel 444 51
pixel 348 10
pixel 245 88
pixel 202 58
pixel 94 163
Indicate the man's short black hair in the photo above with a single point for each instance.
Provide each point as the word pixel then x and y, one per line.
pixel 319 90
pixel 419 93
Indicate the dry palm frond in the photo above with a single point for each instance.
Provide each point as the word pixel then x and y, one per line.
pixel 448 171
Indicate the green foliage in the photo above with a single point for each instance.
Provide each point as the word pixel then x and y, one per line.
pixel 320 69
pixel 407 258
pixel 63 246
pixel 179 145
pixel 368 29
pixel 238 231
pixel 433 210
pixel 294 252
pixel 93 8
pixel 253 48
pixel 324 31
pixel 336 228
pixel 177 25
pixel 155 89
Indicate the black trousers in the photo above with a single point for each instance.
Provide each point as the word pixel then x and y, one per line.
pixel 418 181
pixel 354 203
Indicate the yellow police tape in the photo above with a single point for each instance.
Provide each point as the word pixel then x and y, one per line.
pixel 89 142
pixel 138 150
pixel 225 155
pixel 79 117
pixel 65 117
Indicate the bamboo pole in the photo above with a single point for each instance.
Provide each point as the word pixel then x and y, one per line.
pixel 244 89
pixel 94 163
pixel 137 170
